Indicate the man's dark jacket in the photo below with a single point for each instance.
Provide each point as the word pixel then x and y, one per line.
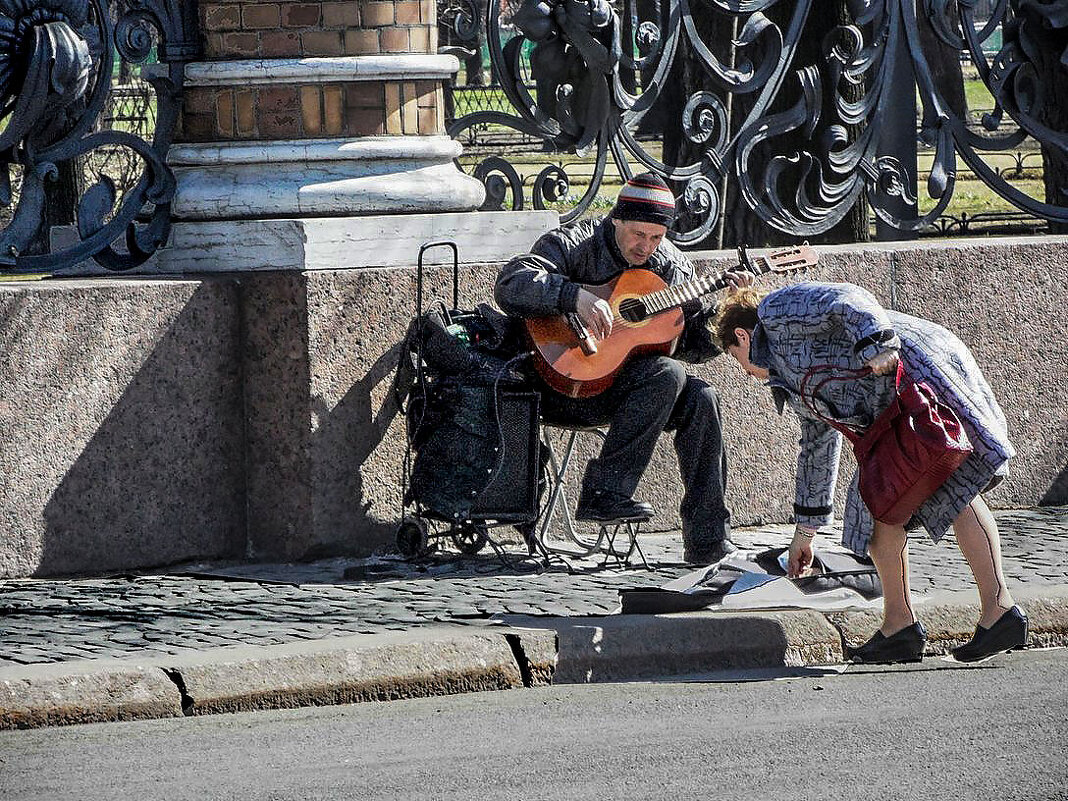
pixel 546 280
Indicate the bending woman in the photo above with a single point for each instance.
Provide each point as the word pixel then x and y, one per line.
pixel 778 339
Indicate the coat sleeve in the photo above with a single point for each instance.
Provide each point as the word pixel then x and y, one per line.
pixel 817 473
pixel 805 310
pixel 697 344
pixel 538 284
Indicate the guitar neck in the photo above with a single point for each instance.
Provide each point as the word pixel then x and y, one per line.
pixel 673 296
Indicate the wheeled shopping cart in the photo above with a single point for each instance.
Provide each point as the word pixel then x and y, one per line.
pixel 472 425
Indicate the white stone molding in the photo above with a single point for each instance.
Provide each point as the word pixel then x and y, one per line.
pixel 334 243
pixel 280 151
pixel 337 69
pixel 320 178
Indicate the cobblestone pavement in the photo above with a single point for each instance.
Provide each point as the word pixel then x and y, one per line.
pixel 211 605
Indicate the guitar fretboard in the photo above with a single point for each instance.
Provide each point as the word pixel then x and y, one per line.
pixel 674 296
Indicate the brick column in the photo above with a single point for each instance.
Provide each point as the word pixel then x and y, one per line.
pixel 287 114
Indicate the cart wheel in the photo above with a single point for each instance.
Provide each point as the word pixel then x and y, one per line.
pixel 411 537
pixel 470 538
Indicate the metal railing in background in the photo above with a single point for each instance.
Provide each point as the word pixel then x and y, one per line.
pixel 801 139
pixel 71 92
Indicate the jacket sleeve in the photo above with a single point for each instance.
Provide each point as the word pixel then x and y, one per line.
pixel 817 473
pixel 809 308
pixel 537 284
pixel 697 343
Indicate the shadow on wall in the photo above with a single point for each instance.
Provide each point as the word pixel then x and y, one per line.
pixel 1057 495
pixel 345 437
pixel 323 467
pixel 153 379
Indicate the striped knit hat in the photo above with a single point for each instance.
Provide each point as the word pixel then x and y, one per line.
pixel 646 198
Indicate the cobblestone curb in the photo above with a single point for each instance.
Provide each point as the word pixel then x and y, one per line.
pixel 199 639
pixel 88 691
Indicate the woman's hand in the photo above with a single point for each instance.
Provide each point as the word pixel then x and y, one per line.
pixel 595 313
pixel 800 552
pixel 884 363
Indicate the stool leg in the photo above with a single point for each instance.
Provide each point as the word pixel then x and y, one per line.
pixel 559 470
pixel 632 531
pixel 609 533
pixel 559 473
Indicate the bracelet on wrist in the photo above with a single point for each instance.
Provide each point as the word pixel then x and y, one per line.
pixel 806 532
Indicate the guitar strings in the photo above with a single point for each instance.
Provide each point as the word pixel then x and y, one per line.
pixel 672 296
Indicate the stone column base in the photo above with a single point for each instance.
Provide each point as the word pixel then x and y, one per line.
pixel 319 178
pixel 335 243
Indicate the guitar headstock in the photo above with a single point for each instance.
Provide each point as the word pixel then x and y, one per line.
pixel 783 260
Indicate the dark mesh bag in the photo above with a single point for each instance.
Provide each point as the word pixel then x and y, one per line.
pixel 455 443
pixel 451 414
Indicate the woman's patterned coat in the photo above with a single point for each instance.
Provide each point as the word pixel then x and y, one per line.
pixel 809 325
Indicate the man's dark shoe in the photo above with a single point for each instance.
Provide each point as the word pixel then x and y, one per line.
pixel 905 646
pixel 1008 634
pixel 709 554
pixel 604 506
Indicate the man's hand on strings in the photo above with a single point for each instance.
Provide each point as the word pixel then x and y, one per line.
pixel 595 313
pixel 739 279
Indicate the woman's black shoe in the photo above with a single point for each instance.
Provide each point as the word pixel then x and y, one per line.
pixel 1007 634
pixel 905 646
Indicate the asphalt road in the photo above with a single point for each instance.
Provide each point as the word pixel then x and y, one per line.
pixel 941 731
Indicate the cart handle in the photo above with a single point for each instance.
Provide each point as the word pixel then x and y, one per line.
pixel 455 273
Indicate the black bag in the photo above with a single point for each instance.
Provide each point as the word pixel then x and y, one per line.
pixel 456 445
pixel 475 345
pixel 453 365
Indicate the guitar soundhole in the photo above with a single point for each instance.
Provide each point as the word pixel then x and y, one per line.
pixel 632 310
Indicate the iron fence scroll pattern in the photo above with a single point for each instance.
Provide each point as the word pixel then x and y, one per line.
pixel 581 75
pixel 57 63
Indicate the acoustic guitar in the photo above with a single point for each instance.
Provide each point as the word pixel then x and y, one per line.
pixel 646 318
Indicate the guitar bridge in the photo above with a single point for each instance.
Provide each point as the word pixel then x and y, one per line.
pixel 586 340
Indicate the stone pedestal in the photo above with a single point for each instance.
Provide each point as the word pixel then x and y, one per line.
pixel 309 137
pixel 311 163
pixel 334 243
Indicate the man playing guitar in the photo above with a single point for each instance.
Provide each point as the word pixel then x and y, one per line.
pixel 651 392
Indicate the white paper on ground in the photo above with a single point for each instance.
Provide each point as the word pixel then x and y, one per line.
pixel 763 591
pixel 759 591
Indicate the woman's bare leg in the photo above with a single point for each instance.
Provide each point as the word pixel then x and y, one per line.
pixel 889 550
pixel 978 539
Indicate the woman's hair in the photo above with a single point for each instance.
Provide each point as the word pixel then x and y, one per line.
pixel 737 310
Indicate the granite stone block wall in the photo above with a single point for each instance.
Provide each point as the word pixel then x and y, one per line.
pixel 121 425
pixel 149 422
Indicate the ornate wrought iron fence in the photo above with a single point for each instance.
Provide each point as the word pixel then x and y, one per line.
pixel 798 114
pixel 72 93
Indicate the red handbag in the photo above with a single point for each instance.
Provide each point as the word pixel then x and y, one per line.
pixel 907 453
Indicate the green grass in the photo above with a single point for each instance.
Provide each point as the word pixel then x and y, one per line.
pixel 978 97
pixel 1022 168
pixel 970 196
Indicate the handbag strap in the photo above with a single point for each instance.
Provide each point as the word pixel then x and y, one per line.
pixel 845 374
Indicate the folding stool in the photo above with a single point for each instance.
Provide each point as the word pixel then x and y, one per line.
pixel 608 531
